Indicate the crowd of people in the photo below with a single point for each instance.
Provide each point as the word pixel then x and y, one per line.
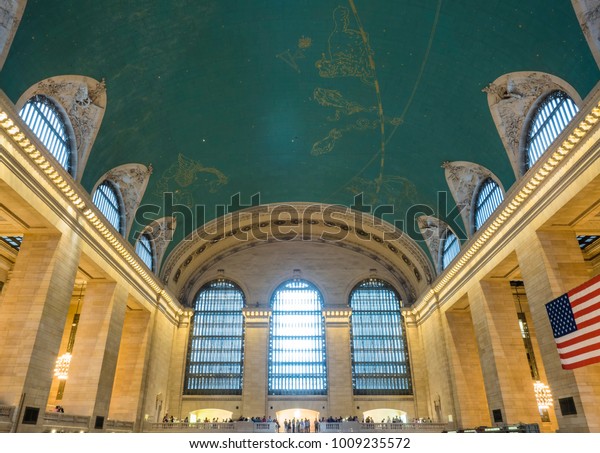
pixel 295 425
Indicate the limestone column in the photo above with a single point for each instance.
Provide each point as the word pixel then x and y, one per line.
pixel 33 313
pixel 339 365
pixel 506 373
pixel 418 368
pixel 256 362
pixel 440 400
pixel 91 377
pixel 126 399
pixel 469 391
pixel 178 364
pixel 551 264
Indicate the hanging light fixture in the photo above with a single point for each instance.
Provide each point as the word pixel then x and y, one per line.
pixel 543 395
pixel 61 370
pixel 63 362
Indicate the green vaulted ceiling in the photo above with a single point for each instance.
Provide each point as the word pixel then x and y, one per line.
pixel 298 100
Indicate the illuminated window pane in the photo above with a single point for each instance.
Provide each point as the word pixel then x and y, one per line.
pixel 105 198
pixel 380 363
pixel 450 248
pixel 216 349
pixel 144 250
pixel 14 241
pixel 47 123
pixel 550 119
pixel 297 341
pixel 488 199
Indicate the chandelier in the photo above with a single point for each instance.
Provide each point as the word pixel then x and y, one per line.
pixel 61 370
pixel 543 395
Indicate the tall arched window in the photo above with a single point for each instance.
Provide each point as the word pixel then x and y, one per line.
pixel 216 348
pixel 551 117
pixel 450 248
pixel 380 363
pixel 47 122
pixel 489 197
pixel 297 341
pixel 145 250
pixel 106 199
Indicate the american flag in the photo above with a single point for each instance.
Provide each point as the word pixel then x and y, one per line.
pixel 575 320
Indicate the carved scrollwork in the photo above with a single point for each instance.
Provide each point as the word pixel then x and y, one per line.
pixel 11 12
pixel 161 231
pixel 84 101
pixel 463 180
pixel 131 180
pixel 511 97
pixel 433 230
pixel 588 14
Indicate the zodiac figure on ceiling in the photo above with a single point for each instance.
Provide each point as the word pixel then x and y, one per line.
pixel 186 177
pixel 348 51
pixel 342 106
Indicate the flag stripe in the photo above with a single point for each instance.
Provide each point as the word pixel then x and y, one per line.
pixel 585 288
pixel 577 339
pixel 590 312
pixel 580 299
pixel 575 321
pixel 584 356
pixel 589 322
pixel 593 346
pixel 578 364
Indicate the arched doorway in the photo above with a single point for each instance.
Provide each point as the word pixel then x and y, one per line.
pixel 384 415
pixel 297 414
pixel 201 415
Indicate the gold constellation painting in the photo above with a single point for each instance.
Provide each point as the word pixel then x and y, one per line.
pixel 186 178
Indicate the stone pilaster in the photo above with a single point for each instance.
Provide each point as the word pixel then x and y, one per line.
pixel 256 362
pixel 339 366
pixel 467 379
pixel 551 263
pixel 506 374
pixel 418 368
pixel 33 312
pixel 91 375
pixel 178 364
pixel 125 403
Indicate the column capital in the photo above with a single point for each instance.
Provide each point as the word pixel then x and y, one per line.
pixel 341 316
pixel 256 315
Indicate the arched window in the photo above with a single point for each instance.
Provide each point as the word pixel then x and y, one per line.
pixel 551 117
pixel 380 363
pixel 145 250
pixel 46 121
pixel 106 199
pixel 489 197
pixel 450 248
pixel 216 348
pixel 297 341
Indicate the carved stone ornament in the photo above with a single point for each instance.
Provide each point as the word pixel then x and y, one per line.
pixel 464 178
pixel 11 12
pixel 588 14
pixel 161 231
pixel 511 97
pixel 433 230
pixel 131 180
pixel 84 101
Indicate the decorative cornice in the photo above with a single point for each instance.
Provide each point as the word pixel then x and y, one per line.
pixel 585 121
pixel 433 231
pixel 511 98
pixel 79 201
pixel 315 222
pixel 84 101
pixel 464 179
pixel 131 180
